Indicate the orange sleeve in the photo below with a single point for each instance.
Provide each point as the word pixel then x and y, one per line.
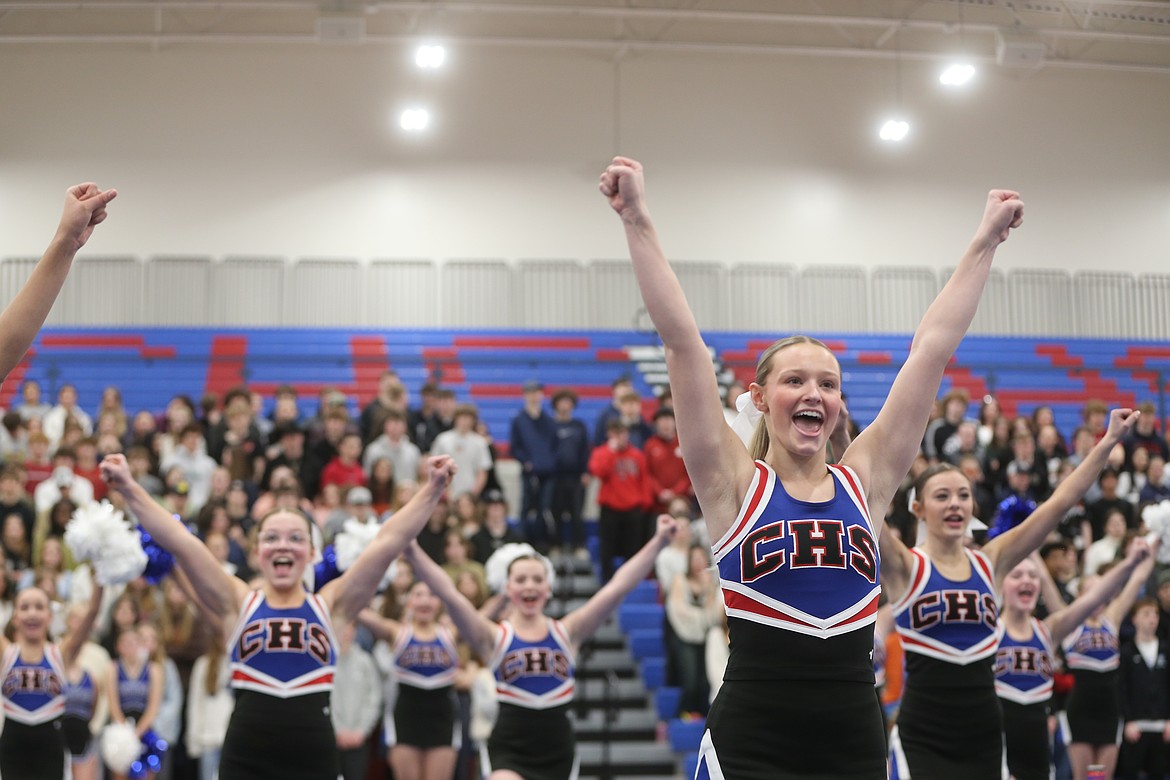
pixel 895 674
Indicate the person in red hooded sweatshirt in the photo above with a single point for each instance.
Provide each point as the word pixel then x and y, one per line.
pixel 625 495
pixel 668 473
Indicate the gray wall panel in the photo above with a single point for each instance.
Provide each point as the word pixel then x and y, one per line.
pixel 401 294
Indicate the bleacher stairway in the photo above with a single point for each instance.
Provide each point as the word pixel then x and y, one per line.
pixel 613 714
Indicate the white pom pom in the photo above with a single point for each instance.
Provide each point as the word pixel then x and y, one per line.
pixel 1157 516
pixel 100 535
pixel 120 747
pixel 89 527
pixel 354 537
pixel 496 568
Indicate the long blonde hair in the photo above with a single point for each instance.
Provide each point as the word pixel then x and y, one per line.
pixel 760 438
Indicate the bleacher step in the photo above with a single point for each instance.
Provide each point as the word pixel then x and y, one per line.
pixel 626 693
pixel 627 759
pixel 629 725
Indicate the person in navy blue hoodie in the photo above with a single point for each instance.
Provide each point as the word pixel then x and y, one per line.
pixel 532 440
pixel 570 472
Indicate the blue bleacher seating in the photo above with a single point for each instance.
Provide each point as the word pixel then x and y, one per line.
pixel 647 643
pixel 634 616
pixel 488 368
pixel 654 672
pixel 666 701
pixel 690 764
pixel 645 592
pixel 684 736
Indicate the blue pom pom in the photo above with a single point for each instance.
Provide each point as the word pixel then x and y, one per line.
pixel 137 771
pixel 159 562
pixel 326 570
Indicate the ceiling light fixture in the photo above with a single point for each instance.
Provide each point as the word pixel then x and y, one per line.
pixel 957 74
pixel 415 119
pixel 430 56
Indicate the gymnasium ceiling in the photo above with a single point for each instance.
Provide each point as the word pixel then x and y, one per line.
pixel 1021 34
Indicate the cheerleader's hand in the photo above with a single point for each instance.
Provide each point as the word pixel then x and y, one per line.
pixel 667 527
pixel 440 470
pixel 623 186
pixel 115 472
pixel 1121 422
pixel 1132 733
pixel 1139 550
pixel 1003 212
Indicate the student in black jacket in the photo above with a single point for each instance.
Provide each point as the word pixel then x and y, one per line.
pixel 1145 696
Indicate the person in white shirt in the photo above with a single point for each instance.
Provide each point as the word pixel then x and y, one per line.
pixel 196 464
pixel 356 702
pixel 53 423
pixel 394 445
pixel 209 708
pixel 63 483
pixel 468 449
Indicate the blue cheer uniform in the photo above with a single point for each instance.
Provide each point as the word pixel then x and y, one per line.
pixel 282 663
pixel 1093 712
pixel 1023 682
pixel 133 690
pixel 425 711
pixel 80 702
pixel 800 587
pixel 535 682
pixel 31 746
pixel 949 724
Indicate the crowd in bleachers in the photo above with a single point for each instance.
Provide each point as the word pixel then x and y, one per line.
pixel 222 463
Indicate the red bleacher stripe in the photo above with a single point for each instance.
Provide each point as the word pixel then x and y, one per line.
pixel 225 367
pixel 1058 354
pixel 875 358
pixel 1049 397
pixel 520 342
pixel 961 379
pixel 370 360
pixel 157 352
pixel 739 356
pixel 49 340
pixel 15 379
pixel 439 353
pixel 1149 377
pixel 447 373
pixel 496 391
pixel 1149 352
pixel 611 355
pixel 515 391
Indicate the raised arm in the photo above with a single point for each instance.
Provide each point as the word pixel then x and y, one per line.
pixel 352 591
pixel 85 207
pixel 1011 547
pixel 72 644
pixel 710 448
pixel 381 627
pixel 475 629
pixel 896 563
pixel 882 454
pixel 583 621
pixel 1049 593
pixel 215 587
pixel 1120 606
pixel 153 699
pixel 1062 621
